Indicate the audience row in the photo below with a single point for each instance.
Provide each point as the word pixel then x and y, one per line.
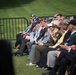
pixel 50 45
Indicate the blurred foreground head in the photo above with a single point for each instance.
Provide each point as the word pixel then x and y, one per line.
pixel 6 63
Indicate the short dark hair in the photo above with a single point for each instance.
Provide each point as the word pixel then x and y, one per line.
pixel 60 15
pixel 73 22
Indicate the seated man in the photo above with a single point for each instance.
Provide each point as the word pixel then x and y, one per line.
pixel 43 38
pixel 43 58
pixel 65 58
pixel 52 55
pixel 21 35
pixel 23 46
pixel 42 46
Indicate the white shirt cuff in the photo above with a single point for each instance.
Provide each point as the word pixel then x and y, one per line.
pixel 69 50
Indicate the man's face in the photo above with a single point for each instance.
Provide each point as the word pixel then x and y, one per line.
pixel 58 18
pixel 64 26
pixel 52 28
pixel 70 27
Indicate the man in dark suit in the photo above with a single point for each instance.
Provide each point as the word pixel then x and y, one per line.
pixel 65 58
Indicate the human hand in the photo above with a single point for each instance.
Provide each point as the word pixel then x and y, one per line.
pixel 65 47
pixel 40 43
pixel 28 37
pixel 50 46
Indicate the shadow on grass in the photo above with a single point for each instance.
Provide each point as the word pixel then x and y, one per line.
pixel 4 4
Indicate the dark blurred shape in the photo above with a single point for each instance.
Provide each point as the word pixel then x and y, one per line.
pixel 6 63
pixel 74 17
pixel 13 3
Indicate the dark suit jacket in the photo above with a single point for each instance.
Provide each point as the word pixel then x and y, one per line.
pixel 70 57
pixel 69 39
pixel 66 36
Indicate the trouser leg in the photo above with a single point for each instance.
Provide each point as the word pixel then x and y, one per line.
pixel 63 66
pixel 51 58
pixel 32 54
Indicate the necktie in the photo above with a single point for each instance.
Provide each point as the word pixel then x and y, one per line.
pixel 42 32
pixel 60 40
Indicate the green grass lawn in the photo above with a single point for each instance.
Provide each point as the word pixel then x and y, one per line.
pixel 19 8
pixel 21 68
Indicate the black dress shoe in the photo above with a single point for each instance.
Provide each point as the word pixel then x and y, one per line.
pixel 46 73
